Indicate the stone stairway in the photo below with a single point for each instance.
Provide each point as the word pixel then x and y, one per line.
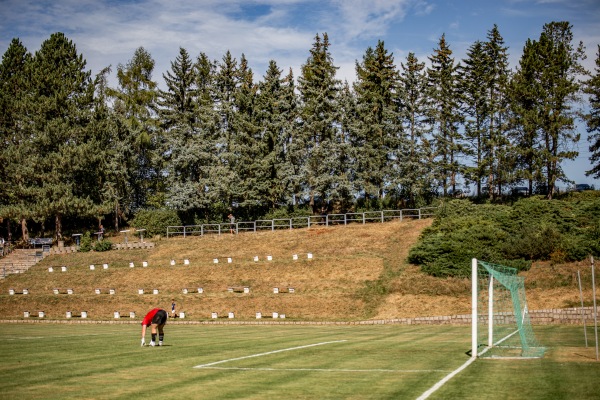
pixel 19 261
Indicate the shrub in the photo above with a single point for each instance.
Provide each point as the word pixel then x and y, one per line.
pixel 103 245
pixel 531 229
pixel 86 242
pixel 155 221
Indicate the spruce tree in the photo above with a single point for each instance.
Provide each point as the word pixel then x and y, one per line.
pixel 497 157
pixel 414 103
pixel 246 145
pixel 559 81
pixel 223 180
pixel 208 139
pixel 525 94
pixel 380 148
pixel 319 117
pixel 274 111
pixel 134 105
pixel 476 110
pixel 181 152
pixel 445 115
pixel 592 88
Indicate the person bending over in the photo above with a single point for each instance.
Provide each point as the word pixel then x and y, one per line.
pixel 156 319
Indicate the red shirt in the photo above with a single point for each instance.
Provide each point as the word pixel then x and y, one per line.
pixel 148 318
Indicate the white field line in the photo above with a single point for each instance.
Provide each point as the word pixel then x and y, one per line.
pixel 267 353
pixel 329 369
pixel 445 379
pixel 57 337
pixel 459 369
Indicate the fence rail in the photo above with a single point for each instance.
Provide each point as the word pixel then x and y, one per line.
pixel 301 222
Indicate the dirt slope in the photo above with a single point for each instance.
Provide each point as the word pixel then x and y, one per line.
pixel 356 272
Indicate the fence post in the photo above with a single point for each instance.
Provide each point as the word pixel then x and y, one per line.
pixel 290 224
pixel 419 213
pixel 382 217
pixel 400 215
pixel 272 225
pixel 326 219
pixel 364 220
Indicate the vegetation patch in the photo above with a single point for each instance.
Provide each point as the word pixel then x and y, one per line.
pixel 531 229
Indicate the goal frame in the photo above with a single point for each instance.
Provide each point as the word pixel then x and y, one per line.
pixel 529 346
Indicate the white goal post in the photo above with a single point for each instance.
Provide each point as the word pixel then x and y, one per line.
pixel 500 324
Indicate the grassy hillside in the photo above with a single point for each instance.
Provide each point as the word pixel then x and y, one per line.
pixel 357 272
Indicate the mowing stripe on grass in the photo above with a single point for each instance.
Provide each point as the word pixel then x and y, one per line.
pixel 268 353
pixel 329 369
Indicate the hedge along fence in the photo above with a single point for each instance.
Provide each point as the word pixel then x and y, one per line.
pixel 302 222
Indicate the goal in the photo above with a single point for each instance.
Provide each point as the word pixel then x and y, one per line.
pixel 501 327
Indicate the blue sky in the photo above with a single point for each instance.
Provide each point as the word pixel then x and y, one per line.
pixel 107 32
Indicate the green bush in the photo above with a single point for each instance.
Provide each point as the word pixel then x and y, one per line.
pixel 86 242
pixel 531 229
pixel 155 221
pixel 103 245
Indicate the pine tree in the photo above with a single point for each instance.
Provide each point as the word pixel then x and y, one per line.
pixel 319 90
pixel 209 139
pixel 178 108
pixel 293 161
pixel 135 103
pixel 222 187
pixel 497 158
pixel 592 88
pixel 273 110
pixel 445 115
pixel 16 168
pixel 525 94
pixel 413 104
pixel 549 69
pixel 378 137
pixel 59 113
pixel 476 109
pixel 247 149
pixel 559 82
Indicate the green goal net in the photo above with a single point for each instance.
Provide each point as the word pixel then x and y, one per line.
pixel 501 324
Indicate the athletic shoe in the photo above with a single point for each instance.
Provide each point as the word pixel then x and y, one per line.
pixel 160 343
pixel 152 344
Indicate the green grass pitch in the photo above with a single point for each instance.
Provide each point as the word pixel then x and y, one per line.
pixel 105 361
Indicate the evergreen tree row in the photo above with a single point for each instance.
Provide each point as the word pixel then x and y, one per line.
pixel 215 139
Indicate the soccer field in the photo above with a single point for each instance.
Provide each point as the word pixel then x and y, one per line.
pixel 105 361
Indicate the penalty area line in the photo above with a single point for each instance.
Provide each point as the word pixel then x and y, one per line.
pixel 409 371
pixel 268 353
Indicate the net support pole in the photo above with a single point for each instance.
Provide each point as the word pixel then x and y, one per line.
pixel 582 311
pixel 491 311
pixel 474 308
pixel 595 309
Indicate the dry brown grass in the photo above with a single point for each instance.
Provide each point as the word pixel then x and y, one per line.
pixel 329 287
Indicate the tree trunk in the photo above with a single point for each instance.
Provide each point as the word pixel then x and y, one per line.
pixel 58 223
pixel 24 230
